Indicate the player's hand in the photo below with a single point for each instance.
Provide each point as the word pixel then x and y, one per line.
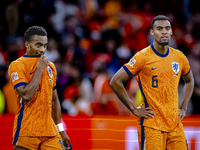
pixel 66 140
pixel 67 146
pixel 42 63
pixel 144 112
pixel 64 137
pixel 181 114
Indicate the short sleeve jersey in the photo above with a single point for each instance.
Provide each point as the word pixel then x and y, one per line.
pixel 34 117
pixel 158 76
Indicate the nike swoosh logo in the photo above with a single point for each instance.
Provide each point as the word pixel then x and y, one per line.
pixel 32 72
pixel 154 68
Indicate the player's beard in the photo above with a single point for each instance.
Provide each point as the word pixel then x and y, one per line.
pixel 163 43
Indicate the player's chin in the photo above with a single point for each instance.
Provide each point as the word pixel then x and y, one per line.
pixel 164 43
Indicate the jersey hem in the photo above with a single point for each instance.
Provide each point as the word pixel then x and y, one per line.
pixel 33 56
pixel 19 84
pixel 55 87
pixel 127 71
pixel 186 73
pixel 178 126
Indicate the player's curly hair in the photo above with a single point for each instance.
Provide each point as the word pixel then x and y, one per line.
pixel 159 17
pixel 34 30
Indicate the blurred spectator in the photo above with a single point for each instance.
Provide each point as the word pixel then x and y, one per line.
pixel 10 98
pixel 74 53
pixel 11 51
pixel 29 11
pixel 62 9
pixel 71 26
pixel 12 16
pixel 3 81
pixel 2 102
pixel 20 46
pixel 2 61
pixel 123 54
pixel 194 59
pixel 104 99
pixel 88 7
pixel 111 40
pixel 77 95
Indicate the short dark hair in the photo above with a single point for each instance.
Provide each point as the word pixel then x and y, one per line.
pixel 34 30
pixel 159 17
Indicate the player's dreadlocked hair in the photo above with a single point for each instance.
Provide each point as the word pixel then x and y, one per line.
pixel 159 17
pixel 34 30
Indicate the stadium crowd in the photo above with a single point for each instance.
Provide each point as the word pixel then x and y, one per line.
pixel 89 41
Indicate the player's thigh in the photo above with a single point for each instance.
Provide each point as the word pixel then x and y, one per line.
pixel 27 142
pixel 151 139
pixel 177 140
pixel 52 143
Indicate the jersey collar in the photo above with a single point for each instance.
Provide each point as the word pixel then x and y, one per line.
pixel 32 56
pixel 161 55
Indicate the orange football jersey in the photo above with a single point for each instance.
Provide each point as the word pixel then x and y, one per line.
pixel 34 118
pixel 158 76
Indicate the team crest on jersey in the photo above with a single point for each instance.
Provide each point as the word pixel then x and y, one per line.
pixel 175 67
pixel 50 72
pixel 132 62
pixel 14 76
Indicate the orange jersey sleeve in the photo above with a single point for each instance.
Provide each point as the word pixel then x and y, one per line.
pixel 16 73
pixel 136 63
pixel 186 66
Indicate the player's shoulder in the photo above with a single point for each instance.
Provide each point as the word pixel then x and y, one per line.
pixel 177 52
pixel 52 65
pixel 145 52
pixel 17 63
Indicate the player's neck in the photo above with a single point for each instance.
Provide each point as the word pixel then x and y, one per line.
pixel 160 49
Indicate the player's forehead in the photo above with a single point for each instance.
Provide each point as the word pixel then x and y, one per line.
pixel 161 23
pixel 39 38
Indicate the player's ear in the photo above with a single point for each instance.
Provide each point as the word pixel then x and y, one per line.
pixel 171 32
pixel 151 32
pixel 27 45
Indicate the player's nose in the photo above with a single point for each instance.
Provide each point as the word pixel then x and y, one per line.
pixel 164 31
pixel 42 50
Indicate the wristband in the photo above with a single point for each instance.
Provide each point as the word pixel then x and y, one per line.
pixel 60 127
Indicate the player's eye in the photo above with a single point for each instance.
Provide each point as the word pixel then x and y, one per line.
pixel 38 45
pixel 159 28
pixel 168 28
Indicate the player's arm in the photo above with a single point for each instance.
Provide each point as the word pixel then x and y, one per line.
pixel 187 93
pixel 116 84
pixel 56 115
pixel 28 91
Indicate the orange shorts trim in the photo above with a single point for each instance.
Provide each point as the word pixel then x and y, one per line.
pixel 41 143
pixel 152 139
